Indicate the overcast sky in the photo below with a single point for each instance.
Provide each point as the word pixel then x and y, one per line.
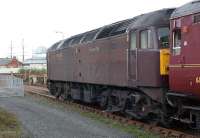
pixel 38 20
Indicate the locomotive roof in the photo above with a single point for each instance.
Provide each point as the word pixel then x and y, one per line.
pixel 160 17
pixel 187 9
pixel 155 18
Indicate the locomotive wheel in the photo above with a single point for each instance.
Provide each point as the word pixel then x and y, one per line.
pixel 166 121
pixel 52 89
pixel 104 102
pixel 127 107
pixel 58 92
pixel 63 97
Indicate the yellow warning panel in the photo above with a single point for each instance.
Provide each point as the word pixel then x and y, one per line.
pixel 164 61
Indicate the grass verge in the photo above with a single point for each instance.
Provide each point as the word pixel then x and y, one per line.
pixel 131 129
pixel 9 126
pixel 134 130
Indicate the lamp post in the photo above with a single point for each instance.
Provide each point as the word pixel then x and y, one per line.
pixel 62 33
pixel 23 49
pixel 11 49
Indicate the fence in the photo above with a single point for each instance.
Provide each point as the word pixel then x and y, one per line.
pixel 11 86
pixel 33 79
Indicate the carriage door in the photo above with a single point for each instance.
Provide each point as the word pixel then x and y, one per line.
pixel 132 73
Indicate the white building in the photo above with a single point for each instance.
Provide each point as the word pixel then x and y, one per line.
pixel 38 59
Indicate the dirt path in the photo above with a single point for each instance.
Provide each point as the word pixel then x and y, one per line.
pixel 43 121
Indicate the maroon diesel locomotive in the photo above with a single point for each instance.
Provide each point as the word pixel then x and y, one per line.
pixel 133 67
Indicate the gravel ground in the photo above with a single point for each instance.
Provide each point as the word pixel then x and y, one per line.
pixel 43 121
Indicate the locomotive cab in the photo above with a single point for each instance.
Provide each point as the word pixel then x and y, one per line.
pixel 149 50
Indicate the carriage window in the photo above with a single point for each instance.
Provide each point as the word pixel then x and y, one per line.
pixel 197 18
pixel 177 42
pixel 133 40
pixel 163 36
pixel 145 39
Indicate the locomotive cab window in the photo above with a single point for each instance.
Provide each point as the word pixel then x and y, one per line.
pixel 163 36
pixel 133 41
pixel 146 39
pixel 177 42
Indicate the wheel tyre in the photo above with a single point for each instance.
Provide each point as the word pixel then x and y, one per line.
pixel 126 108
pixel 165 121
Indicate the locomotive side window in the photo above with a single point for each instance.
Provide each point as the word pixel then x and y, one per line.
pixel 133 40
pixel 163 36
pixel 177 42
pixel 145 39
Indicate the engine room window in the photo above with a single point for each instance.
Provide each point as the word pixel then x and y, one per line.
pixel 133 40
pixel 197 18
pixel 163 36
pixel 145 39
pixel 177 42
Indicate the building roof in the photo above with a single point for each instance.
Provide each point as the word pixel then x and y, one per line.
pixel 187 9
pixel 35 60
pixel 5 61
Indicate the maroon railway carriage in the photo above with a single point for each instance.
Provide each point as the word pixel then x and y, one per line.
pixel 184 69
pixel 117 66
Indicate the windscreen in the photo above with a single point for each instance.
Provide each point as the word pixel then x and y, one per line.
pixel 163 36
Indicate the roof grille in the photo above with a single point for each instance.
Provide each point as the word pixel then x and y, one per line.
pixel 195 1
pixel 67 43
pixel 76 40
pixel 54 47
pixel 90 36
pixel 116 28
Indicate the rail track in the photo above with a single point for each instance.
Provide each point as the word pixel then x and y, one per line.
pixel 163 132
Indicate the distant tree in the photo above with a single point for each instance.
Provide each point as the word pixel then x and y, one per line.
pixel 32 71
